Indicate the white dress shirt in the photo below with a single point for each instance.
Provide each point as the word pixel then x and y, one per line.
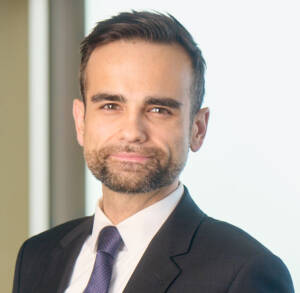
pixel 136 231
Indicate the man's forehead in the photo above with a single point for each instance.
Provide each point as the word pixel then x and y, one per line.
pixel 137 48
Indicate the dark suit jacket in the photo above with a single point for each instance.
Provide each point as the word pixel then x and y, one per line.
pixel 191 253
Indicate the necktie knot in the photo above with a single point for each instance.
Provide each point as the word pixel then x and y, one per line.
pixel 109 240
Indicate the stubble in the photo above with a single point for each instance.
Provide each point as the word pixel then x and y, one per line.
pixel 158 171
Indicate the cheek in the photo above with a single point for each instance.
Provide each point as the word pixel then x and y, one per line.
pixel 95 133
pixel 181 146
pixel 176 140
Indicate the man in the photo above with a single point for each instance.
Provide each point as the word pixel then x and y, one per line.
pixel 142 86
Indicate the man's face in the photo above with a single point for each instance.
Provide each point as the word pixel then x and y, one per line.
pixel 135 129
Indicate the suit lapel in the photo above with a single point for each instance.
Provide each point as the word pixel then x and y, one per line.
pixel 158 268
pixel 63 257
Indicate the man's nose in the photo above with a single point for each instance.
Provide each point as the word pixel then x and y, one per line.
pixel 133 128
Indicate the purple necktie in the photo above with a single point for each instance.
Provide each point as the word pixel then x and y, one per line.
pixel 109 242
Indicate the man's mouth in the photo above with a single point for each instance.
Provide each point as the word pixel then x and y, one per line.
pixel 130 157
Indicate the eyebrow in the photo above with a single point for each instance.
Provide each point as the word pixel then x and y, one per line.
pixel 107 97
pixel 160 101
pixel 163 101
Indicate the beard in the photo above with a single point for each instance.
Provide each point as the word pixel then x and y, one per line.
pixel 158 171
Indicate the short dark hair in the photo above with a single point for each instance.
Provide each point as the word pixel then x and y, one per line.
pixel 149 26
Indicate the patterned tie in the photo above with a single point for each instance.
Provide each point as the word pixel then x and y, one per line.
pixel 109 242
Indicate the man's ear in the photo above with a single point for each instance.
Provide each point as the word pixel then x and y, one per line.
pixel 199 128
pixel 78 115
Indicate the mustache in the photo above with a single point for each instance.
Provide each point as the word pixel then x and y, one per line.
pixel 141 150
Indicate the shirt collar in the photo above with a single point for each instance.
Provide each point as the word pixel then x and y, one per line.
pixel 138 230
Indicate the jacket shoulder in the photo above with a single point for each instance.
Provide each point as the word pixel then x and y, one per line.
pixel 228 239
pixel 35 253
pixel 224 258
pixel 54 235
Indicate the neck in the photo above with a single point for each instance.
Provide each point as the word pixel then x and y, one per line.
pixel 120 206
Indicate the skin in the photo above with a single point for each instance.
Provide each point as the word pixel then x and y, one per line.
pixel 138 96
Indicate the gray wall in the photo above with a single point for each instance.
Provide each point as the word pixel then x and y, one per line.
pixel 66 160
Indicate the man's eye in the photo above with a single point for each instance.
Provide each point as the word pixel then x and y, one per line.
pixel 160 110
pixel 110 107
